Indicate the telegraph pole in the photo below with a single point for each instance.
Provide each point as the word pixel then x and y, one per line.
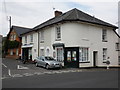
pixel 9 19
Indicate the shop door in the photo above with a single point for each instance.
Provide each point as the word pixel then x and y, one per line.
pixel 25 53
pixel 71 57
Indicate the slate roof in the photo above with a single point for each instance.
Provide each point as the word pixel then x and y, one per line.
pixel 74 15
pixel 20 30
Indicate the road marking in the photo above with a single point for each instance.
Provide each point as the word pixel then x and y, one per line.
pixel 4 65
pixel 9 72
pixel 21 67
pixel 4 77
pixel 28 74
pixel 17 75
pixel 38 73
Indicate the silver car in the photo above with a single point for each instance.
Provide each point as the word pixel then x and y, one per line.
pixel 47 62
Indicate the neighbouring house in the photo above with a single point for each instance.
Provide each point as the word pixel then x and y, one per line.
pixel 74 38
pixel 1 46
pixel 14 42
pixel 4 46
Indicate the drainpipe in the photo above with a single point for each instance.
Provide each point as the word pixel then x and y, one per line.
pixel 38 43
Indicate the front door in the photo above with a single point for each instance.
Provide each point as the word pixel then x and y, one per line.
pixel 71 57
pixel 94 58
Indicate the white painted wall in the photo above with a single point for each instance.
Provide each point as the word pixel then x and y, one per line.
pixel 35 43
pixel 47 41
pixel 83 35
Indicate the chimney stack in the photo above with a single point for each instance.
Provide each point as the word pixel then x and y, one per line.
pixel 57 13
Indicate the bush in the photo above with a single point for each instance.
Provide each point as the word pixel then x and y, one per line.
pixel 13 44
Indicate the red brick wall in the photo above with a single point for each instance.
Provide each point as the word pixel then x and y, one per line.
pixel 14 50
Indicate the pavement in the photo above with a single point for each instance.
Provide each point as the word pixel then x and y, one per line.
pixel 15 68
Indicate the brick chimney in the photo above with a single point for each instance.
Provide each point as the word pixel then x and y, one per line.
pixel 57 13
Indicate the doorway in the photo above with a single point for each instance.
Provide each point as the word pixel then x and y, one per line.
pixel 71 57
pixel 25 53
pixel 95 57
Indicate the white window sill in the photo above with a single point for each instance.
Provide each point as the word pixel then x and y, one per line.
pixel 84 61
pixel 41 41
pixel 58 39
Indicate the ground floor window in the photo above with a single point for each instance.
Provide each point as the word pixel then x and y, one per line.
pixel 47 51
pixel 59 54
pixel 83 54
pixel 119 60
pixel 16 51
pixel 42 52
pixel 104 54
pixel 11 51
pixel 30 53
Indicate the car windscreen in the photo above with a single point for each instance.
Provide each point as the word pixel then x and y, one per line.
pixel 49 58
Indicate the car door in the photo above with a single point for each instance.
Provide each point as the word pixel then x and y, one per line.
pixel 38 61
pixel 42 61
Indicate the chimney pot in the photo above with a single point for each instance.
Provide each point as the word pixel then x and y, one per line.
pixel 58 13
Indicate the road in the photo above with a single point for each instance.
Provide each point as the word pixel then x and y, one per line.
pixel 96 79
pixel 37 77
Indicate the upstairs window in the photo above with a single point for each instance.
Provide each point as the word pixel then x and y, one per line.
pixel 104 35
pixel 104 54
pixel 14 37
pixel 117 47
pixel 31 38
pixel 58 33
pixel 25 39
pixel 11 37
pixel 42 36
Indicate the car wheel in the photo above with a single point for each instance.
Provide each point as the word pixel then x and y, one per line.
pixel 36 65
pixel 47 66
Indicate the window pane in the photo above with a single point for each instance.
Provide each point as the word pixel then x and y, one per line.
pixel 68 55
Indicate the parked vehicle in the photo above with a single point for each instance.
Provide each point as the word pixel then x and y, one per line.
pixel 47 62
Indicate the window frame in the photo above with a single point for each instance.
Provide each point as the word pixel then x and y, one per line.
pixel 104 35
pixel 42 36
pixel 31 38
pixel 84 54
pixel 59 57
pixel 11 37
pixel 117 46
pixel 25 39
pixel 17 52
pixel 104 54
pixel 57 33
pixel 14 37
pixel 42 52
pixel 11 52
pixel 47 52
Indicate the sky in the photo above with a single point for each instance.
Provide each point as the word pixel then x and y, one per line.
pixel 30 13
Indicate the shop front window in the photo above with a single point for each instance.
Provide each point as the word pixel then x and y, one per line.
pixel 83 54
